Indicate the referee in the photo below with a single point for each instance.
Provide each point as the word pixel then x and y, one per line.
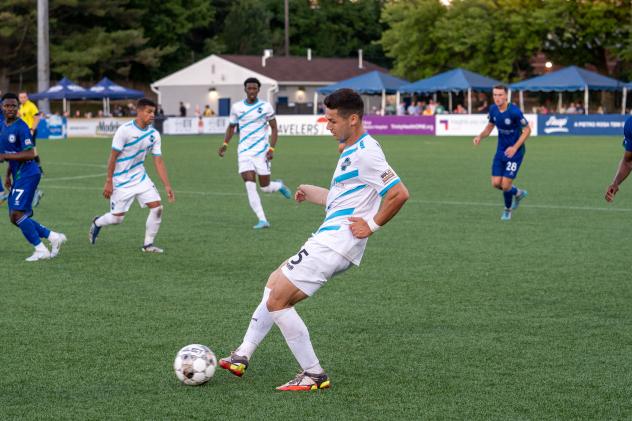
pixel 29 112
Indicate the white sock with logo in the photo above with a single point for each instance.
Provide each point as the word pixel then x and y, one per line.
pixel 260 325
pixel 108 219
pixel 297 337
pixel 254 200
pixel 152 225
pixel 272 187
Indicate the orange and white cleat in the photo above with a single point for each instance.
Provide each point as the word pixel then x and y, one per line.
pixel 234 363
pixel 306 381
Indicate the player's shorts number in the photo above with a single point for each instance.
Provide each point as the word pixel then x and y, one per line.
pixel 20 192
pixel 299 257
pixel 511 166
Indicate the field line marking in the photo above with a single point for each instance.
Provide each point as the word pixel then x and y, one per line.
pixel 76 177
pixel 423 202
pixel 77 164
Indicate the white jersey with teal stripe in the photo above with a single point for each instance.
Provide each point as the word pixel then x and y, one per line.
pixel 133 143
pixel 252 120
pixel 361 179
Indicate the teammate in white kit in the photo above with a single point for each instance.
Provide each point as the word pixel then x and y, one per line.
pixel 353 212
pixel 255 151
pixel 127 179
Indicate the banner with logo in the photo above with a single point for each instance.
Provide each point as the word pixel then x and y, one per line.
pixel 577 124
pixel 472 124
pixel 94 127
pixel 400 125
pixel 195 125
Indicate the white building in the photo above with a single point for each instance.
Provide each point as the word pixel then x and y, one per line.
pixel 289 83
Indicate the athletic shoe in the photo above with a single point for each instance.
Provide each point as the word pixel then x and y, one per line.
pixel 94 231
pixel 506 216
pixel 261 225
pixel 287 193
pixel 150 248
pixel 55 243
pixel 307 381
pixel 37 197
pixel 234 363
pixel 39 255
pixel 519 198
pixel 3 198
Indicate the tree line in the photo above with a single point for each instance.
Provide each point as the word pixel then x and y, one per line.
pixel 142 40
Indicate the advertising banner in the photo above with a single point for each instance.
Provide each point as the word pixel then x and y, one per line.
pixel 400 125
pixel 195 125
pixel 577 124
pixel 94 127
pixel 302 125
pixel 472 124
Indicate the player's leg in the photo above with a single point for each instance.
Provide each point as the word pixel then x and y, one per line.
pixel 3 194
pixel 152 225
pixel 511 194
pixel 262 167
pixel 120 202
pixel 253 197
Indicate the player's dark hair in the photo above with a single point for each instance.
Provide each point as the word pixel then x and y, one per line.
pixel 503 87
pixel 10 95
pixel 346 101
pixel 145 102
pixel 252 80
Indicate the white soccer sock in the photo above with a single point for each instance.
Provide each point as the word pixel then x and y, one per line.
pixel 108 219
pixel 297 337
pixel 41 247
pixel 272 187
pixel 153 224
pixel 254 200
pixel 260 325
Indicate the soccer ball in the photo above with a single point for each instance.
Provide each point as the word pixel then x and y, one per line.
pixel 195 364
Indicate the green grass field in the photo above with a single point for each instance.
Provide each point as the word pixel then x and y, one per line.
pixel 452 315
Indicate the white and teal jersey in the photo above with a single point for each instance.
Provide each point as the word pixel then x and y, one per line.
pixel 252 120
pixel 133 143
pixel 361 179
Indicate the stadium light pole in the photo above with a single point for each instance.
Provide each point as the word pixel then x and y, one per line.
pixel 287 28
pixel 43 56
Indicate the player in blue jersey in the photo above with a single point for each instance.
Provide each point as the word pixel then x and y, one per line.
pixel 625 166
pixel 23 176
pixel 513 131
pixel 252 117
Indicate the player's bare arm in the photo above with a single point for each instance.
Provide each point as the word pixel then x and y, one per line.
pixel 313 194
pixel 274 135
pixel 108 188
pixel 391 204
pixel 511 151
pixel 230 131
pixel 19 156
pixel 486 132
pixel 625 167
pixel 161 169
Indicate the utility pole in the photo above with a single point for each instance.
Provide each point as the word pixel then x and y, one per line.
pixel 287 28
pixel 43 56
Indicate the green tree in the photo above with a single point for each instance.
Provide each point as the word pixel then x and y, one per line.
pixel 247 27
pixel 18 53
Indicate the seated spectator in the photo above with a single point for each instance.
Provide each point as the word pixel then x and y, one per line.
pixel 571 108
pixel 208 112
pixel 543 110
pixel 401 108
pixel 428 111
pixel 460 109
pixel 601 110
pixel 580 108
pixel 412 108
pixel 439 109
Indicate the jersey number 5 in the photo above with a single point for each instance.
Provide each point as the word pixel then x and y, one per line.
pixel 299 257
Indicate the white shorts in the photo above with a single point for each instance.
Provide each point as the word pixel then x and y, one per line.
pixel 313 265
pixel 258 164
pixel 122 197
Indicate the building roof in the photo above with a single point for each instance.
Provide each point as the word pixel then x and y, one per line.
pixel 300 69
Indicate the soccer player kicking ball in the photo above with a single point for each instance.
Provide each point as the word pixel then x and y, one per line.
pixel 352 204
pixel 127 179
pixel 253 116
pixel 625 166
pixel 513 131
pixel 22 179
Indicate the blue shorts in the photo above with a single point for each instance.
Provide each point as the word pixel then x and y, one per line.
pixel 22 192
pixel 506 167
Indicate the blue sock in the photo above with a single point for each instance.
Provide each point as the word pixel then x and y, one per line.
pixel 42 231
pixel 508 196
pixel 28 229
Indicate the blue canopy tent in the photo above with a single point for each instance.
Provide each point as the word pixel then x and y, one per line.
pixel 65 90
pixel 625 96
pixel 371 83
pixel 108 90
pixel 456 80
pixel 570 78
